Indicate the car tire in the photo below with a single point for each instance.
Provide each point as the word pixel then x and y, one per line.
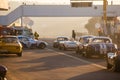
pixel 42 46
pixel 64 48
pixel 54 46
pixel 87 53
pixel 77 50
pixel 60 48
pixel 116 66
pixel 108 64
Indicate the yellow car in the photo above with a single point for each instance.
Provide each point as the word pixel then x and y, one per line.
pixel 10 45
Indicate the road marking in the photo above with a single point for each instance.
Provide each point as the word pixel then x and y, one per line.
pixel 91 63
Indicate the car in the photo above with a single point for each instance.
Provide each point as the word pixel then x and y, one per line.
pixel 113 61
pixel 98 46
pixel 83 40
pixel 10 45
pixel 58 40
pixel 65 45
pixel 29 42
pixel 41 44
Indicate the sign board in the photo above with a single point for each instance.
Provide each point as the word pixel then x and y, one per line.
pixel 97 25
pixel 81 4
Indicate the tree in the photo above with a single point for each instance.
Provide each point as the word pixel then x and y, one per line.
pixel 90 26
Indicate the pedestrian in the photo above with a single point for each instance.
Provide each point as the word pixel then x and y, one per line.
pixel 36 35
pixel 73 34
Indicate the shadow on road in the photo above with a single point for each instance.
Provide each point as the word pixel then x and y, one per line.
pixel 97 75
pixel 50 63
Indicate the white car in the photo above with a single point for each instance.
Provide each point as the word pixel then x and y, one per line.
pixel 27 42
pixel 58 40
pixel 32 43
pixel 65 45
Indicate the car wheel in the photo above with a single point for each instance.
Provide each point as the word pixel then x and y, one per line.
pixel 42 46
pixel 116 66
pixel 77 50
pixel 64 48
pixel 108 64
pixel 87 54
pixel 60 48
pixel 19 54
pixel 54 45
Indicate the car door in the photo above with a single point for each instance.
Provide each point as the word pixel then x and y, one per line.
pixel 26 41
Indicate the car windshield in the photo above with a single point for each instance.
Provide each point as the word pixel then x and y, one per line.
pixel 84 40
pixel 100 40
pixel 62 39
pixel 9 39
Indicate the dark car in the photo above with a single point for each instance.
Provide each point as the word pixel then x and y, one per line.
pixel 83 40
pixel 58 40
pixel 113 61
pixel 98 46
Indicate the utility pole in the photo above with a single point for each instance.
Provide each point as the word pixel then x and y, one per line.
pixel 104 11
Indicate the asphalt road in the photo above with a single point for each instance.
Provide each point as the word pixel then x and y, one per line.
pixel 53 64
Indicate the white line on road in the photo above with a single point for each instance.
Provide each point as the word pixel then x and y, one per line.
pixel 79 59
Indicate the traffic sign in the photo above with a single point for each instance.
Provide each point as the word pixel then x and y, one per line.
pixel 97 25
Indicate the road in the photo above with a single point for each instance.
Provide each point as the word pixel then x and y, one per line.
pixel 53 64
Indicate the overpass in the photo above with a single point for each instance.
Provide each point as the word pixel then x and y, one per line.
pixel 58 11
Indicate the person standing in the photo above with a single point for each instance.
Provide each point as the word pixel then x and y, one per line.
pixel 36 35
pixel 73 34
